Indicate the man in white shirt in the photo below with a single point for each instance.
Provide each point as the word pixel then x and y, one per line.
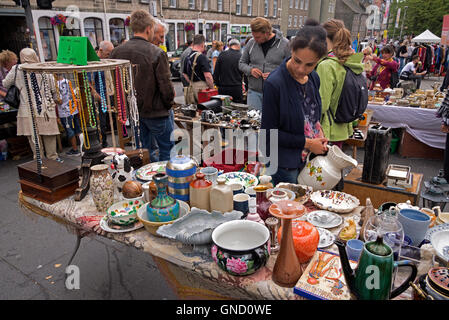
pixel 409 71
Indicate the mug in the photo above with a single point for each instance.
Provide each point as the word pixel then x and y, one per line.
pixel 386 206
pixel 210 173
pixel 250 191
pixel 415 224
pixel 241 203
pixel 236 188
pixel 354 248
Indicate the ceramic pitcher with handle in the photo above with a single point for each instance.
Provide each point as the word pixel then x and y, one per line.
pixel 324 172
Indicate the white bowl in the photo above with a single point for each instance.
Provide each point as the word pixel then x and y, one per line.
pixel 124 212
pixel 440 241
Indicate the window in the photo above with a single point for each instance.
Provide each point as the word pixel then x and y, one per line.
pixel 153 8
pixel 93 28
pixel 238 7
pixel 291 4
pixel 181 34
pixel 250 7
pixel 224 32
pixel 295 23
pixel 289 21
pixel 301 21
pixel 205 5
pixel 172 4
pixel 47 39
pixel 306 5
pixel 265 8
pixel 331 7
pixel 302 5
pixel 191 4
pixel 275 8
pixel 297 4
pixel 170 38
pixel 220 5
pixel 117 30
pixel 209 36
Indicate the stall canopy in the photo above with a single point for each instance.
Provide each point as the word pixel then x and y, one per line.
pixel 427 37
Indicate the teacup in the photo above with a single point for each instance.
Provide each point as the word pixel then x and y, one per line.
pixel 323 217
pixel 354 248
pixel 210 173
pixel 415 224
pixel 236 188
pixel 250 191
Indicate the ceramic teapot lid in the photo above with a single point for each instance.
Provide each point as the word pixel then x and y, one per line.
pixel 378 247
pixel 438 279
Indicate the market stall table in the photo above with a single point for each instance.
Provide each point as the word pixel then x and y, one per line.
pixel 420 123
pixel 190 270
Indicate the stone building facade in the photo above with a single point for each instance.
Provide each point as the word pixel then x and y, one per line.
pixel 353 14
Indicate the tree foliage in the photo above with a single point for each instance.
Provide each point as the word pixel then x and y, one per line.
pixel 421 15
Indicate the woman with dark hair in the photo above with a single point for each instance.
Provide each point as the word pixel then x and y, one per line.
pixel 384 67
pixel 292 105
pixel 332 71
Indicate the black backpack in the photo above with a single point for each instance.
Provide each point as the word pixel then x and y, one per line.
pixel 353 98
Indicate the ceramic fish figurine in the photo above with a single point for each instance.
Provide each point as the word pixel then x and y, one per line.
pixel 348 232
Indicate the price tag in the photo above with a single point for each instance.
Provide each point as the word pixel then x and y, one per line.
pixel 76 50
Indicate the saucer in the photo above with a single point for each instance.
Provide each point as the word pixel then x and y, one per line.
pixel 334 219
pixel 327 238
pixel 108 226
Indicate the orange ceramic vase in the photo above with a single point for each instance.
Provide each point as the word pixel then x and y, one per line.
pixel 305 239
pixel 200 192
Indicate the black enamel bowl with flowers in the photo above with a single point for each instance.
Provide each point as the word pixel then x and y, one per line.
pixel 241 247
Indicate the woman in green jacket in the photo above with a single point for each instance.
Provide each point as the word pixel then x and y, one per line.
pixel 332 76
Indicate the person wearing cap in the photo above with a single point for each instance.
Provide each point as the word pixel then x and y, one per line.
pixel 227 75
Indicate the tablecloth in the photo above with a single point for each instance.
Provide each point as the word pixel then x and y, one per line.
pixel 420 123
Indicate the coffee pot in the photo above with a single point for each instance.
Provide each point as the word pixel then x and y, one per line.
pixel 373 277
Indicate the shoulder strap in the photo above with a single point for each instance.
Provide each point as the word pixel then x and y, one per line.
pixel 15 73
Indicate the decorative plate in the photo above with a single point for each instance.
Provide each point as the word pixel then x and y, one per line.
pixel 291 195
pixel 431 231
pixel 327 238
pixel 146 172
pixel 112 151
pixel 244 178
pixel 124 212
pixel 335 201
pixel 108 226
pixel 324 219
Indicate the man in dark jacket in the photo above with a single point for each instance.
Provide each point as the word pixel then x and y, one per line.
pixel 227 76
pixel 154 90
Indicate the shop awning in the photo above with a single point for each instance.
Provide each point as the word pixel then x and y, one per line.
pixel 427 37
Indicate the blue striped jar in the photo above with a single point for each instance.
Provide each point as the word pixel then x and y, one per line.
pixel 180 171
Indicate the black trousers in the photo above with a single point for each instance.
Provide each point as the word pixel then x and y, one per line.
pixel 234 91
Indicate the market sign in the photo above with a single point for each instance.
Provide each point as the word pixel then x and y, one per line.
pixel 445 31
pixel 76 50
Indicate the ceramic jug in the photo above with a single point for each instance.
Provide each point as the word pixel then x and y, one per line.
pixel 163 208
pixel 372 280
pixel 200 192
pixel 180 171
pixel 263 204
pixel 324 172
pixel 101 187
pixel 221 197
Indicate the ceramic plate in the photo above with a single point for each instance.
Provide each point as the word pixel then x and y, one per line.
pixel 112 151
pixel 244 178
pixel 146 172
pixel 431 231
pixel 327 238
pixel 318 219
pixel 334 201
pixel 108 226
pixel 291 194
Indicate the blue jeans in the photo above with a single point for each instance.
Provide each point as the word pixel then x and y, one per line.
pixel 285 175
pixel 254 99
pixel 158 130
pixel 71 125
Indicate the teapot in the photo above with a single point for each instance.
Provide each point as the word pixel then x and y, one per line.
pixel 372 279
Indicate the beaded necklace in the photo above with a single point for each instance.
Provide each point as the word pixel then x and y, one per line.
pixel 33 121
pixel 133 110
pixel 58 94
pixel 81 114
pixel 90 109
pixel 48 101
pixel 73 103
pixel 37 92
pixel 104 106
pixel 121 108
pixel 127 86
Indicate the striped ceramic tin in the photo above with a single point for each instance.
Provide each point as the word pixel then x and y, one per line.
pixel 181 171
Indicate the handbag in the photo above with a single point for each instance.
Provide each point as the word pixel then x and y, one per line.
pixel 189 91
pixel 12 97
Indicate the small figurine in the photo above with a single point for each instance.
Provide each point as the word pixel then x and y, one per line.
pixel 122 170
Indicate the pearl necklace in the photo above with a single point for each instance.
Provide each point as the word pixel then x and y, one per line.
pixel 104 106
pixel 90 109
pixel 48 101
pixel 133 110
pixel 33 121
pixel 37 92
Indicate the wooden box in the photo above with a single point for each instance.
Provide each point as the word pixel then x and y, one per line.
pixel 138 158
pixel 380 193
pixel 57 181
pixel 413 148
